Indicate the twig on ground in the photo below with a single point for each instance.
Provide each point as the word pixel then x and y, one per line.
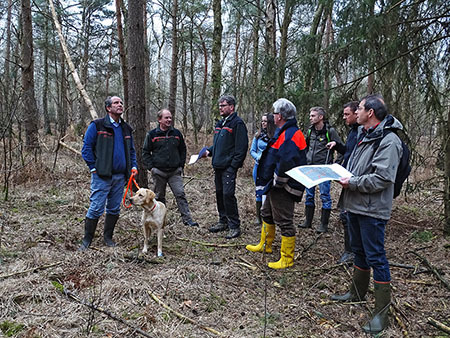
pixel 218 245
pixel 300 254
pixel 105 312
pixel 181 316
pixel 70 148
pixel 395 312
pixel 438 325
pixel 432 269
pixel 43 267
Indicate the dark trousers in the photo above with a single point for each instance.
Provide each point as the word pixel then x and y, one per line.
pixel 367 241
pixel 225 181
pixel 278 208
pixel 175 181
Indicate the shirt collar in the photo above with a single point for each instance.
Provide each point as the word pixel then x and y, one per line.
pixel 114 123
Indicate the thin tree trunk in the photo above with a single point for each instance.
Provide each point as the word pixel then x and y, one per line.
pixel 216 74
pixel 74 72
pixel 284 30
pixel 174 65
pixel 29 100
pixel 122 53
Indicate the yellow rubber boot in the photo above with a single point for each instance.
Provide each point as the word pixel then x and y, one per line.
pixel 287 254
pixel 267 236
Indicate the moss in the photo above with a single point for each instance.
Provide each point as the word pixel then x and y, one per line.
pixel 10 329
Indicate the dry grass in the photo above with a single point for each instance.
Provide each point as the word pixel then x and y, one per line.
pixel 42 224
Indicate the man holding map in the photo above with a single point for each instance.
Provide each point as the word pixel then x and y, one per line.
pixel 367 197
pixel 284 151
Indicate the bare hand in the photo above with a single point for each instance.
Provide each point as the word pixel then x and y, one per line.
pixel 331 144
pixel 344 182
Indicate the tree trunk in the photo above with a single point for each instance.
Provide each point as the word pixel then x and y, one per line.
pixel 29 101
pixel 174 65
pixel 216 73
pixel 288 9
pixel 122 53
pixel 137 80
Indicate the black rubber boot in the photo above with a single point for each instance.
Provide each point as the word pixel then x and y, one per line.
pixel 89 230
pixel 258 213
pixel 324 219
pixel 309 215
pixel 110 224
pixel 380 318
pixel 358 289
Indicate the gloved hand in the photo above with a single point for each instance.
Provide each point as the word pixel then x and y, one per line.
pixel 134 172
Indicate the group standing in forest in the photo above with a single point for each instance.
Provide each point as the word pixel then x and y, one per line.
pixel 372 153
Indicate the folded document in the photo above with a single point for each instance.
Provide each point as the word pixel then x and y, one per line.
pixel 311 175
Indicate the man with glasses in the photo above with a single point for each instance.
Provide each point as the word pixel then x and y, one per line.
pixel 228 153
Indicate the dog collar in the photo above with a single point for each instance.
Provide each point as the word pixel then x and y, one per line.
pixel 153 208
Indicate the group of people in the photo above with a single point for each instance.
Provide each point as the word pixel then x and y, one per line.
pixel 365 201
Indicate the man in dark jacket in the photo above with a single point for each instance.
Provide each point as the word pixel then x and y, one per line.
pixel 164 154
pixel 286 150
pixel 228 153
pixel 318 135
pixel 368 197
pixel 346 150
pixel 109 152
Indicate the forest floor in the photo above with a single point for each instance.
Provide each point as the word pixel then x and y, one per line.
pixel 46 285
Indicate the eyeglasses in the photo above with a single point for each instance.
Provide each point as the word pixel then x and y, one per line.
pixel 275 113
pixel 223 105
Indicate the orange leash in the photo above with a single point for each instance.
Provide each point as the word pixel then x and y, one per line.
pixel 129 187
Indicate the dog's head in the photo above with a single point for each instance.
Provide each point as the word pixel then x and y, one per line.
pixel 143 197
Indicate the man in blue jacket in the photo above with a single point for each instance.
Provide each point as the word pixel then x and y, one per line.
pixel 109 152
pixel 228 153
pixel 286 150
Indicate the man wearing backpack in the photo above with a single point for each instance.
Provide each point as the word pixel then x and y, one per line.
pixel 368 197
pixel 317 137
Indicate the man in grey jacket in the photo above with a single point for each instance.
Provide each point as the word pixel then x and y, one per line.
pixel 317 137
pixel 368 197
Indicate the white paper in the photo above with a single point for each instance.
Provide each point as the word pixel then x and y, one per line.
pixel 193 159
pixel 311 175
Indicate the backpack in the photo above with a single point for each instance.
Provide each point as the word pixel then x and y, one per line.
pixel 404 167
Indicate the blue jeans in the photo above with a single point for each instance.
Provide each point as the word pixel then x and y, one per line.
pixel 258 193
pixel 324 189
pixel 105 191
pixel 367 242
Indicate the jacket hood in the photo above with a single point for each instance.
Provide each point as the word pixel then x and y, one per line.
pixel 389 122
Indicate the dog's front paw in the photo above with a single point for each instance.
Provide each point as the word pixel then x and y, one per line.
pixel 145 250
pixel 160 254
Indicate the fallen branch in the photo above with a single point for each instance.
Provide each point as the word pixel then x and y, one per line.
pixel 395 312
pixel 70 148
pixel 105 312
pixel 73 70
pixel 43 267
pixel 181 316
pixel 432 269
pixel 218 245
pixel 438 325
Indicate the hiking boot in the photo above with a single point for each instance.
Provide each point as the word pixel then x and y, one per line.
pixel 218 227
pixel 233 233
